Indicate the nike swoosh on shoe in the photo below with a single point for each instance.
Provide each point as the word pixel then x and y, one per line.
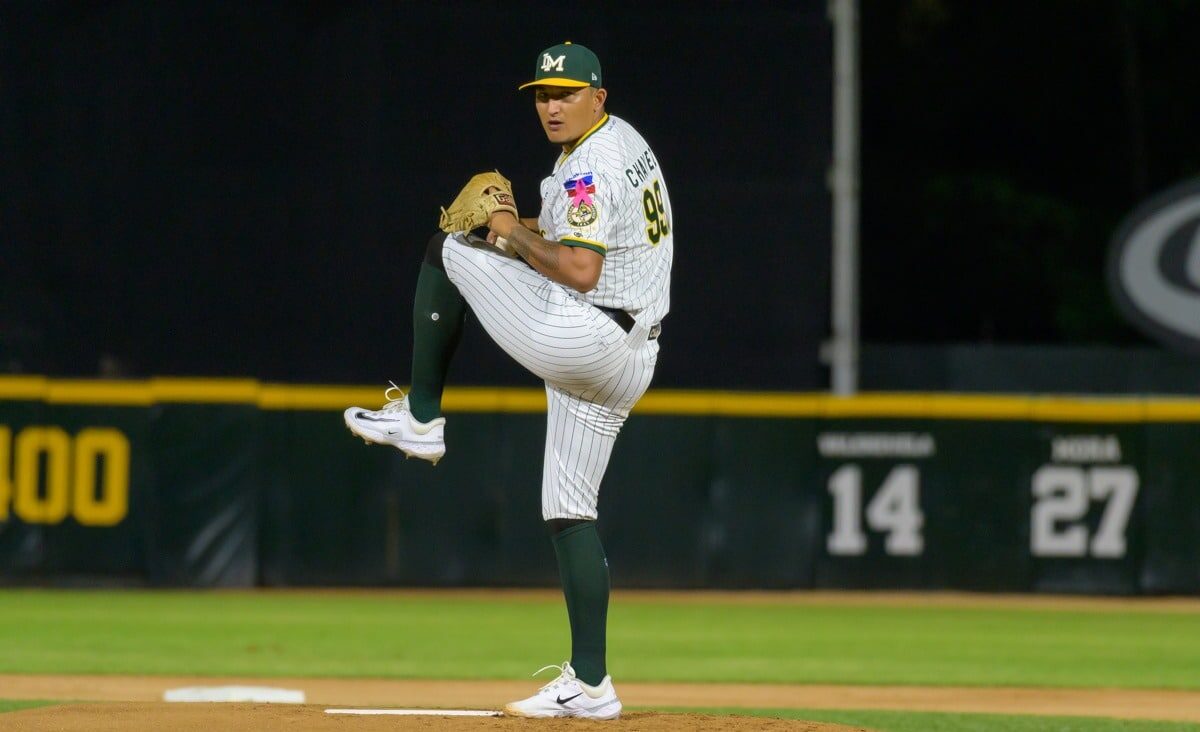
pixel 365 418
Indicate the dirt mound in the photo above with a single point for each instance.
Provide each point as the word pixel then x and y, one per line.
pixel 127 717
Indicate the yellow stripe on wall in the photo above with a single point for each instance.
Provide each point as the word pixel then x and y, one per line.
pixel 666 402
pixel 22 388
pixel 729 404
pixel 318 396
pixel 101 393
pixel 205 390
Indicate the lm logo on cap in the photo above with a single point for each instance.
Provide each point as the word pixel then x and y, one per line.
pixel 555 63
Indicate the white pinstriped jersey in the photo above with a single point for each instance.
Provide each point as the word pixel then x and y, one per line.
pixel 608 194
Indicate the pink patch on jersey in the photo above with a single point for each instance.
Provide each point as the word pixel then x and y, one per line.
pixel 581 197
pixel 578 189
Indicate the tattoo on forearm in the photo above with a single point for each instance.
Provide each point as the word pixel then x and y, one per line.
pixel 533 247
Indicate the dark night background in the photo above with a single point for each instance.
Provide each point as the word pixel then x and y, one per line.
pixel 244 189
pixel 1002 144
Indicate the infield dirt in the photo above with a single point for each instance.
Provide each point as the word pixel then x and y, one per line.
pixel 146 692
pixel 207 717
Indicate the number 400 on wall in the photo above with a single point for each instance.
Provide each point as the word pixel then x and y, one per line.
pixel 46 475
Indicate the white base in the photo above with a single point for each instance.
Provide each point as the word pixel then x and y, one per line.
pixel 234 694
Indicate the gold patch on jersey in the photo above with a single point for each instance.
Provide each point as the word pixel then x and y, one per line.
pixel 582 215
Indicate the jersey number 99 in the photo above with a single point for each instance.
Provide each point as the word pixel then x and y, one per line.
pixel 657 225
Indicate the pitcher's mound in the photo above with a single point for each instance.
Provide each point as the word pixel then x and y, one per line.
pixel 198 717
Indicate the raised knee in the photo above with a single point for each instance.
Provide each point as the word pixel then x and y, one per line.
pixel 433 251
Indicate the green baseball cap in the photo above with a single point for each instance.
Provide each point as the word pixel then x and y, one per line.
pixel 566 64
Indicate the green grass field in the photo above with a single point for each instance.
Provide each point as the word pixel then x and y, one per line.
pixel 651 639
pixel 937 722
pixel 12 705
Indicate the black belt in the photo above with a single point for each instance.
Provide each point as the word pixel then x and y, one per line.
pixel 626 321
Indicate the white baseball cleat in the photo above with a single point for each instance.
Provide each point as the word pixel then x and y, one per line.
pixel 394 425
pixel 567 696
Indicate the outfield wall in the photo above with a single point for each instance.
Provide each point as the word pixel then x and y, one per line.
pixel 241 483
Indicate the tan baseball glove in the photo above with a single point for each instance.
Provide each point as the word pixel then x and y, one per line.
pixel 482 196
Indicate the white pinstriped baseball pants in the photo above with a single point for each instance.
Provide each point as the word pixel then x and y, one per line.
pixel 594 371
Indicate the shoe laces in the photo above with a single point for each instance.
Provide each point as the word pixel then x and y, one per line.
pixel 566 675
pixel 394 404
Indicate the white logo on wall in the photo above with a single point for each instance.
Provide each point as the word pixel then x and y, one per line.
pixel 556 63
pixel 1154 267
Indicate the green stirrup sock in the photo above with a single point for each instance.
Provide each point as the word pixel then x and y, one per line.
pixel 584 572
pixel 438 315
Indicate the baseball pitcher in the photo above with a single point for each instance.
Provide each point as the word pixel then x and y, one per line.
pixel 576 296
